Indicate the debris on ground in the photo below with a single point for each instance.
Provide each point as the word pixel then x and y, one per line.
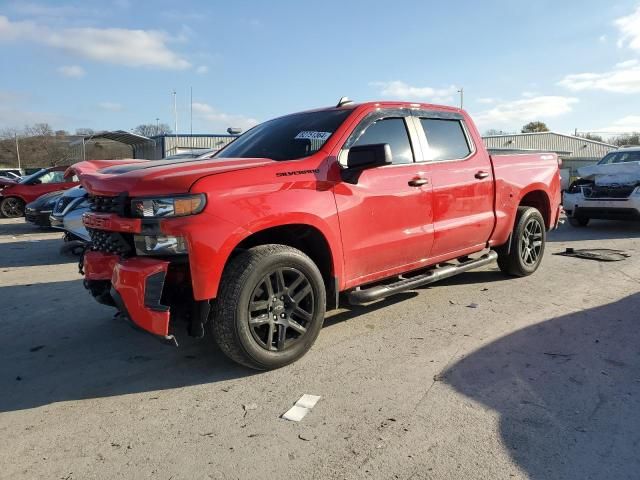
pixel 301 407
pixel 249 406
pixel 599 254
pixel 473 305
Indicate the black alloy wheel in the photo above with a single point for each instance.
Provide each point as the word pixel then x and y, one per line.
pixel 281 307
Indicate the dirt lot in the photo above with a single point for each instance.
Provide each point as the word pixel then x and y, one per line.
pixel 541 380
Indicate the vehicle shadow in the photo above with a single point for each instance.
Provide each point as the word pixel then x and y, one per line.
pixel 64 346
pixel 21 227
pixel 40 252
pixel 567 392
pixel 596 230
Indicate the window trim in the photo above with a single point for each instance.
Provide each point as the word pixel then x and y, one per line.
pixel 382 114
pixel 434 115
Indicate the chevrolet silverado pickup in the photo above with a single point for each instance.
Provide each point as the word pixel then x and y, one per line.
pixel 256 243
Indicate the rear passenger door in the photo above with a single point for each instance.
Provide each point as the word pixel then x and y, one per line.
pixel 462 182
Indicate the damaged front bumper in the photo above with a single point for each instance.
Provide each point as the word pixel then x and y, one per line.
pixel 577 205
pixel 134 285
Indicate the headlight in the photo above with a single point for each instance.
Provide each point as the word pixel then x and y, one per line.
pixel 177 206
pixel 159 245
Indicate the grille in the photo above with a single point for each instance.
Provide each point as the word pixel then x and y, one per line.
pixel 61 204
pixel 623 191
pixel 98 203
pixel 111 242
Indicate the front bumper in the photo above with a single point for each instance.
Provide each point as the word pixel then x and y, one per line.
pixel 136 287
pixel 576 205
pixel 37 217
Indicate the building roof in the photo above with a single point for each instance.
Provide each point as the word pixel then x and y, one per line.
pixel 566 146
pixel 121 136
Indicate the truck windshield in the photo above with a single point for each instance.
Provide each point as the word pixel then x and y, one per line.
pixel 287 138
pixel 620 157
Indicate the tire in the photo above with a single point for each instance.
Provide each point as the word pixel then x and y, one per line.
pixel 578 221
pixel 253 307
pixel 12 207
pixel 523 255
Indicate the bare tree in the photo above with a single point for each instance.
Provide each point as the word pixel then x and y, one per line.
pixel 150 129
pixel 623 140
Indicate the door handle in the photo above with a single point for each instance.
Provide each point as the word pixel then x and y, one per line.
pixel 418 182
pixel 480 175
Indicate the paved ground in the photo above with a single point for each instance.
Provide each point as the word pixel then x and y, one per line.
pixel 541 380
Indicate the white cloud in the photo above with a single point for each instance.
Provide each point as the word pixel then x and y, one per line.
pixel 400 90
pixel 627 64
pixel 630 123
pixel 519 112
pixel 629 28
pixel 217 121
pixel 602 39
pixel 202 69
pixel 119 46
pixel 111 106
pixel 623 79
pixel 72 71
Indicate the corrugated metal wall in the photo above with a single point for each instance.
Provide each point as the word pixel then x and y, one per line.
pixel 175 144
pixel 574 151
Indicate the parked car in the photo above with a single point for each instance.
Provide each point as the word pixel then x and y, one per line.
pixel 609 190
pixel 367 200
pixel 38 211
pixel 14 195
pixel 67 214
pixel 11 173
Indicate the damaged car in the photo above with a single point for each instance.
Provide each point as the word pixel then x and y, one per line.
pixel 608 190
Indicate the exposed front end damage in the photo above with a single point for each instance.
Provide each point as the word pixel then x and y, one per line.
pixel 607 192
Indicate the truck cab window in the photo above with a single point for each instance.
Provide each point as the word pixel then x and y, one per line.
pixel 447 140
pixel 392 131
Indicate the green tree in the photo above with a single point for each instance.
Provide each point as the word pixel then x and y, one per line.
pixel 533 127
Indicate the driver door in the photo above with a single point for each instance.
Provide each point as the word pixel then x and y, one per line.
pixel 386 216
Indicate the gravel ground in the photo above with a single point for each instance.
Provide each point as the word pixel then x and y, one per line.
pixel 540 380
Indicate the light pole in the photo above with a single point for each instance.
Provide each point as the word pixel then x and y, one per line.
pixel 157 126
pixel 461 92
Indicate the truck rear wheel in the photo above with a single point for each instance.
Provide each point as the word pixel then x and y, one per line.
pixel 270 307
pixel 522 256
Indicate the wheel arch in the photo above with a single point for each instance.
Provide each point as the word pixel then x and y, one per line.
pixel 305 237
pixel 538 199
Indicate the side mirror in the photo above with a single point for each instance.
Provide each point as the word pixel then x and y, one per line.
pixel 367 156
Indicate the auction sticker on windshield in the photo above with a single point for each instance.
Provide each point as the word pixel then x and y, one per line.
pixel 309 135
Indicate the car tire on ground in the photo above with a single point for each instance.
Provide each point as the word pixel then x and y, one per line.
pixel 270 307
pixel 578 221
pixel 523 254
pixel 12 207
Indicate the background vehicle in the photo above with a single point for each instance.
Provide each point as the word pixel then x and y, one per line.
pixel 38 211
pixel 368 199
pixel 11 173
pixel 609 190
pixel 14 196
pixel 67 214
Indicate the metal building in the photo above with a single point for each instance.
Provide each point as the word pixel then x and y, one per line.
pixel 153 148
pixel 575 152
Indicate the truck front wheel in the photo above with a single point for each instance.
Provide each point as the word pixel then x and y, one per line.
pixel 523 254
pixel 270 307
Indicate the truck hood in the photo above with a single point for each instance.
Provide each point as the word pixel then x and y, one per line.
pixel 156 177
pixel 627 173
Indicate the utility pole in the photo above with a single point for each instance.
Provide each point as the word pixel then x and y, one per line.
pixel 191 122
pixel 175 112
pixel 157 126
pixel 461 92
pixel 17 150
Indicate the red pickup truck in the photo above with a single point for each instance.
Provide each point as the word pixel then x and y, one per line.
pixel 260 240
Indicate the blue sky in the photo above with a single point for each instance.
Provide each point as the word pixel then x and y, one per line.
pixel 572 64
